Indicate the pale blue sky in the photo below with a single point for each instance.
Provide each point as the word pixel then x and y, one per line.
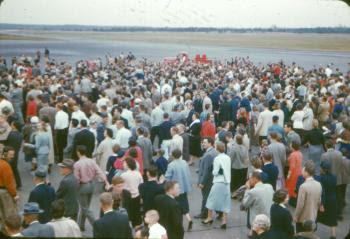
pixel 179 13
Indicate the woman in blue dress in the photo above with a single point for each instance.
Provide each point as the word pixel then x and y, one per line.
pixel 219 198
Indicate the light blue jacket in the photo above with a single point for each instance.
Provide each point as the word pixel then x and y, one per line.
pixel 42 143
pixel 179 171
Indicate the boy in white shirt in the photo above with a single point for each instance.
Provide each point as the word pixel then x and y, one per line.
pixel 156 231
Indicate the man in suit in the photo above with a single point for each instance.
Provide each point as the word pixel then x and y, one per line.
pixel 42 194
pixel 205 175
pixel 257 197
pixel 150 189
pixel 339 166
pixel 68 189
pixel 279 157
pixel 270 169
pixel 146 147
pixel 30 213
pixel 264 121
pixel 48 111
pixel 113 224
pixel 309 197
pixel 73 130
pixel 170 211
pixel 86 138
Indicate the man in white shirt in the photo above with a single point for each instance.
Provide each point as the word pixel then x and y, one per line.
pixel 62 226
pixel 123 135
pixel 264 122
pixel 79 115
pixel 104 100
pixel 166 88
pixel 4 103
pixel 156 230
pixel 61 128
pixel 277 111
pixel 127 114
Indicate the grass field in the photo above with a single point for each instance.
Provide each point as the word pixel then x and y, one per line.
pixel 291 41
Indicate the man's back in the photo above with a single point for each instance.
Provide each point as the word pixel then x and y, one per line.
pixel 112 225
pixel 170 216
pixel 65 227
pixel 272 173
pixel 334 157
pixel 68 191
pixel 278 151
pixel 148 191
pixel 44 195
pixel 87 138
pixel 309 200
pixel 38 230
pixel 264 121
pixel 259 200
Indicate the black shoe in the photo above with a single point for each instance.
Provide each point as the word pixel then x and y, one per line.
pixel 207 222
pixel 199 216
pixel 223 226
pixel 190 224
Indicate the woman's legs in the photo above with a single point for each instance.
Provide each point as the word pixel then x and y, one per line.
pixel 210 216
pixel 224 218
pixel 333 232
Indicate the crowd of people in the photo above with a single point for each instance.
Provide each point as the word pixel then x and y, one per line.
pixel 267 137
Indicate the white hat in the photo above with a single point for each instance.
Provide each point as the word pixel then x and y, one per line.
pixel 138 101
pixel 34 120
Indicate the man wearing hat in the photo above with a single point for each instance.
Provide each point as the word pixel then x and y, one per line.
pixel 42 194
pixel 31 212
pixel 68 189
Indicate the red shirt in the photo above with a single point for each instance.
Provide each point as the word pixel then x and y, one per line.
pixel 139 159
pixel 7 179
pixel 208 129
pixel 31 108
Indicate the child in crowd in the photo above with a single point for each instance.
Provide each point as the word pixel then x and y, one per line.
pixel 161 162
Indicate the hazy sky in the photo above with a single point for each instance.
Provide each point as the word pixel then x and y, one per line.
pixel 179 13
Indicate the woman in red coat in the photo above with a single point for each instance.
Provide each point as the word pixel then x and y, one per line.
pixel 31 107
pixel 208 127
pixel 295 160
pixel 135 152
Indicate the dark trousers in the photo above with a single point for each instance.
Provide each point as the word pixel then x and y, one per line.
pixel 84 199
pixel 205 194
pixel 14 167
pixel 299 227
pixel 61 140
pixel 341 193
pixel 238 178
pixel 135 211
pixel 154 133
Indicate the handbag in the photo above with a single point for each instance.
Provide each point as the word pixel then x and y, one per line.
pixel 29 149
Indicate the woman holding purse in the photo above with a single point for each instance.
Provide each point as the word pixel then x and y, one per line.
pixel 219 198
